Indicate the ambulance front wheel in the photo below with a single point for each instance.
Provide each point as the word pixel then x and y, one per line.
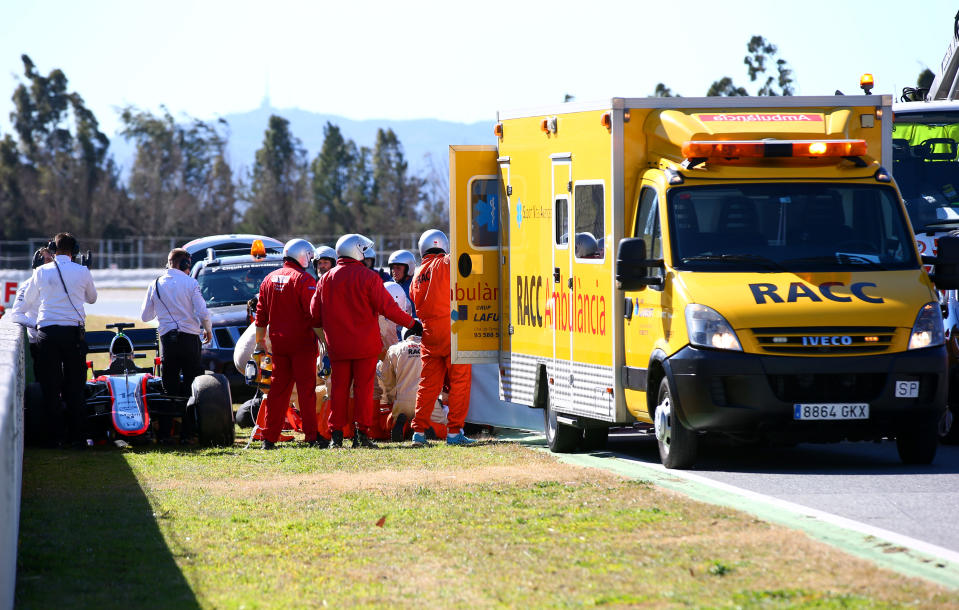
pixel 677 444
pixel 560 437
pixel 917 444
pixel 948 427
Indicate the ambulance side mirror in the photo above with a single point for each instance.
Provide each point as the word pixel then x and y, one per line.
pixel 946 271
pixel 632 266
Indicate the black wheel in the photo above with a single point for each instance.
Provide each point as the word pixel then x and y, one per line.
pixel 917 444
pixel 33 418
pixel 246 414
pixel 214 409
pixel 948 428
pixel 677 444
pixel 595 438
pixel 560 437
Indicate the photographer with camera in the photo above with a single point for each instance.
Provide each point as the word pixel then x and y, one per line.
pixel 58 291
pixel 174 300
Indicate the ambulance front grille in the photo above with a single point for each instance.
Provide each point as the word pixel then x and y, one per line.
pixel 825 340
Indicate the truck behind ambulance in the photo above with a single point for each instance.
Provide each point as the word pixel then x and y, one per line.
pixel 740 267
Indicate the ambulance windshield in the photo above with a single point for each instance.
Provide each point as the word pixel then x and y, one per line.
pixel 926 167
pixel 788 227
pixel 233 284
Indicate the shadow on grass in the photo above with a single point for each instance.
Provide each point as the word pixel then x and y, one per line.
pixel 89 538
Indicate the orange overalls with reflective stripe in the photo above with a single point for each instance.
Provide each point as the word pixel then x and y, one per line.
pixel 431 298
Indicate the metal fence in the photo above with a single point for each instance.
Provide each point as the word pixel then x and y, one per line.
pixel 151 252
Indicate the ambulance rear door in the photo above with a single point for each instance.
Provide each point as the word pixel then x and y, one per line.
pixel 475 201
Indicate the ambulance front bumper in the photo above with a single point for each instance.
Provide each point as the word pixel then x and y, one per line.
pixel 753 394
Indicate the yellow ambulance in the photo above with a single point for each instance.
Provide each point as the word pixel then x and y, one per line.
pixel 732 266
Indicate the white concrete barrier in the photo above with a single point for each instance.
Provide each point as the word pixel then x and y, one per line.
pixel 13 343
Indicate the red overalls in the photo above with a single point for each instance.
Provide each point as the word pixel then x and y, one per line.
pixel 431 298
pixel 284 306
pixel 348 301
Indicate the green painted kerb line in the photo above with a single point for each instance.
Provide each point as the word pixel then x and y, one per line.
pixel 900 553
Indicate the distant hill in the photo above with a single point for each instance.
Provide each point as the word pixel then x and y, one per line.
pixel 418 136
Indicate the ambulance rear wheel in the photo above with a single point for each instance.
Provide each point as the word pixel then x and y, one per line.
pixel 677 443
pixel 214 409
pixel 917 444
pixel 560 437
pixel 595 438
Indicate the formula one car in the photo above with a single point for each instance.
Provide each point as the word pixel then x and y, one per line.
pixel 122 399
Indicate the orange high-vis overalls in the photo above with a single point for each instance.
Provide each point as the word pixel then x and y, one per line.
pixel 431 297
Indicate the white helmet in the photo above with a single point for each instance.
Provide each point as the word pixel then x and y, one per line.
pixel 299 250
pixel 353 245
pixel 396 291
pixel 324 252
pixel 434 238
pixel 586 245
pixel 403 257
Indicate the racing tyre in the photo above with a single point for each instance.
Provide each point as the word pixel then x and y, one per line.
pixel 948 428
pixel 917 444
pixel 595 438
pixel 214 409
pixel 561 438
pixel 677 444
pixel 246 414
pixel 33 414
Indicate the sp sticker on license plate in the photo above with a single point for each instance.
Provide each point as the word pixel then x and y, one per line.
pixel 907 389
pixel 829 411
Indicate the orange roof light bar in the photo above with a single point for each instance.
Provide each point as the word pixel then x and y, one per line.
pixel 258 250
pixel 809 149
pixel 866 82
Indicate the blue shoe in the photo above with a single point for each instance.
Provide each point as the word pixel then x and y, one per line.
pixel 419 439
pixel 459 439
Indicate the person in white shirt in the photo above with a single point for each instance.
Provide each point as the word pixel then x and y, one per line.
pixel 184 322
pixel 58 291
pixel 28 317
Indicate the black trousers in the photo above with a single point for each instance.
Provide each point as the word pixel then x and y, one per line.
pixel 181 357
pixel 35 357
pixel 62 372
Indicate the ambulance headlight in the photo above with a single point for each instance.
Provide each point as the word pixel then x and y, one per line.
pixel 927 331
pixel 707 328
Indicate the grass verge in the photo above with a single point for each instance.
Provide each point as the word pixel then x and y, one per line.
pixel 494 525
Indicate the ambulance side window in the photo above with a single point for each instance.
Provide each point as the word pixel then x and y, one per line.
pixel 561 214
pixel 484 213
pixel 590 211
pixel 647 226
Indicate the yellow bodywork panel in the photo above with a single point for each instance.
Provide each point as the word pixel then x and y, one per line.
pixel 474 239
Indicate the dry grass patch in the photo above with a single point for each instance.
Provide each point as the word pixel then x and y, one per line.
pixel 323 484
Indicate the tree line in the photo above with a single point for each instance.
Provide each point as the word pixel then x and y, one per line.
pixel 57 173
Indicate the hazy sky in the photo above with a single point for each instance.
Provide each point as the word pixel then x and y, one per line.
pixel 459 61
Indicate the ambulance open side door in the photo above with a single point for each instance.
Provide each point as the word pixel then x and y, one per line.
pixel 475 201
